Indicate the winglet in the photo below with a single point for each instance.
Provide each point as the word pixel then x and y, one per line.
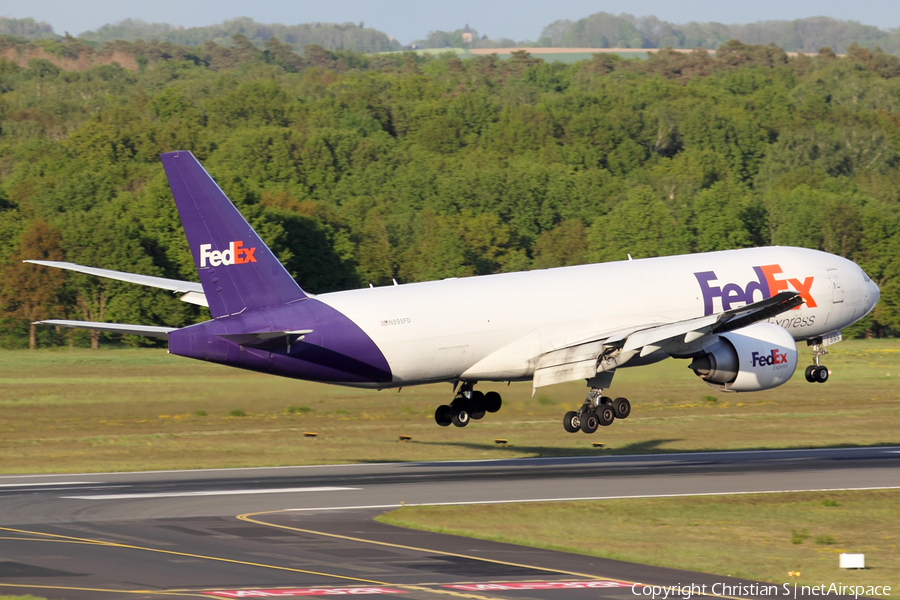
pixel 237 270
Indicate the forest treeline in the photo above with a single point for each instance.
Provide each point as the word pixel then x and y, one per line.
pixel 358 169
pixel 605 30
pixel 332 36
pixel 599 30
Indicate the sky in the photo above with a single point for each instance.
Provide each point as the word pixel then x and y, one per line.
pixel 408 20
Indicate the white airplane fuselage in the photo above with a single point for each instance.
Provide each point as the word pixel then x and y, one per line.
pixel 494 327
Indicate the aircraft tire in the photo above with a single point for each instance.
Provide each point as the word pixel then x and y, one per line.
pixel 589 422
pixel 476 405
pixel 605 415
pixel 492 402
pixel 442 415
pixel 622 408
pixel 809 373
pixel 820 374
pixel 460 416
pixel 571 422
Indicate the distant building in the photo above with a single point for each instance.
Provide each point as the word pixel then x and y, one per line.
pixel 467 34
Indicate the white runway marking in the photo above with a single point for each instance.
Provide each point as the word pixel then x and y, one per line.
pixel 211 493
pixel 8 485
pixel 450 463
pixel 582 499
pixel 30 485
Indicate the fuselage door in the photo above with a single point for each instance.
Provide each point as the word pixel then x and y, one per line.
pixel 837 288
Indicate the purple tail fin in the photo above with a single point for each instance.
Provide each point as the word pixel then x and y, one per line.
pixel 237 270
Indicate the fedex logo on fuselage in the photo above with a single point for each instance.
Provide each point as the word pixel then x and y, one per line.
pixel 766 283
pixel 236 254
pixel 766 360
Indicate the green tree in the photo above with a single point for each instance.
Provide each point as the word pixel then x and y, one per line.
pixel 642 226
pixel 32 293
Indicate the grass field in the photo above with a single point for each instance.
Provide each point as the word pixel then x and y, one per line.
pixel 758 536
pixel 81 410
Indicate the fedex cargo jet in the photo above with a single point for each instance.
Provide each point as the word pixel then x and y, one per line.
pixel 735 316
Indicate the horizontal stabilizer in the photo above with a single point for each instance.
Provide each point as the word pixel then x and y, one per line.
pixel 266 339
pixel 148 330
pixel 193 292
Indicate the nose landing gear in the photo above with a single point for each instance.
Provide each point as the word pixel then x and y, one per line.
pixel 467 405
pixel 816 373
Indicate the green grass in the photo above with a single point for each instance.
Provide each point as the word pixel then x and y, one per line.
pixel 756 536
pixel 81 410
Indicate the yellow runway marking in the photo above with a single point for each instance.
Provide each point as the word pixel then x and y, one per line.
pixel 248 517
pixel 87 589
pixel 25 539
pixel 66 538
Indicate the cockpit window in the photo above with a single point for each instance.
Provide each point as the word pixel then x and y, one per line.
pixel 866 277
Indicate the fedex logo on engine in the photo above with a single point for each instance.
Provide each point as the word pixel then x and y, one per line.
pixel 236 254
pixel 766 284
pixel 766 360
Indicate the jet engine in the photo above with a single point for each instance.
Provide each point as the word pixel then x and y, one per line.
pixel 757 357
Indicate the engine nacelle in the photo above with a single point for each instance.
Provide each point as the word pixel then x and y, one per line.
pixel 757 357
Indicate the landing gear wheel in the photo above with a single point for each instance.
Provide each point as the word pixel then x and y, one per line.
pixel 460 416
pixel 605 415
pixel 590 422
pixel 622 408
pixel 809 373
pixel 571 422
pixel 820 374
pixel 492 402
pixel 476 405
pixel 442 415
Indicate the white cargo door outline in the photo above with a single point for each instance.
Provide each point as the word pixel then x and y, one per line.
pixel 837 288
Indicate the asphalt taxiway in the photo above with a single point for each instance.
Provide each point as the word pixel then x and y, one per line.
pixel 296 531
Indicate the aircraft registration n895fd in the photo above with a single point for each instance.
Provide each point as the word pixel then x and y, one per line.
pixel 734 315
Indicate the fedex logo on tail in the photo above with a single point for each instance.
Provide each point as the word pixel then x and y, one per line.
pixel 766 283
pixel 766 360
pixel 236 254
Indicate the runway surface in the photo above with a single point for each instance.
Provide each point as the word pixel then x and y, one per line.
pixel 297 531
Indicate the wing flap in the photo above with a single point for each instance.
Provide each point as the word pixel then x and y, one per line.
pixel 147 330
pixel 568 364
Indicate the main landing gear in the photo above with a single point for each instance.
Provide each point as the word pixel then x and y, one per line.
pixel 816 373
pixel 467 405
pixel 598 410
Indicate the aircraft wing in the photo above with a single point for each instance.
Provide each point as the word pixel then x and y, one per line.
pixel 192 292
pixel 148 330
pixel 605 353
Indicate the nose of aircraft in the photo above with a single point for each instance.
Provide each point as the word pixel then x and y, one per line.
pixel 874 295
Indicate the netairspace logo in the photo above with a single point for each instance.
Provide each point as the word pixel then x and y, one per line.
pixel 236 254
pixel 795 591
